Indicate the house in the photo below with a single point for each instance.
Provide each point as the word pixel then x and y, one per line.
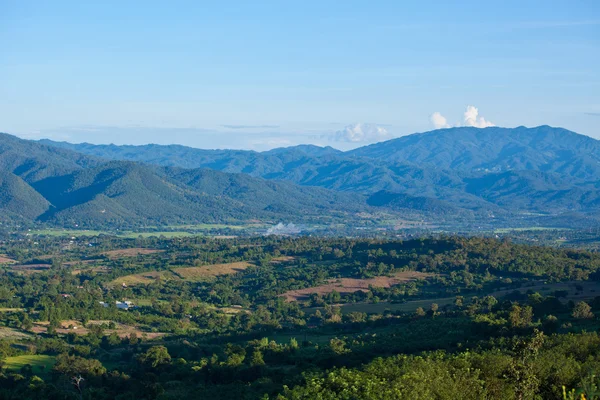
pixel 124 305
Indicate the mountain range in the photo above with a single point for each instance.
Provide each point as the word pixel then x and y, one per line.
pixel 542 169
pixel 58 186
pixel 456 173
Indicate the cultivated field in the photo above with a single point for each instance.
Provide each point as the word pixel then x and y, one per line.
pixel 133 252
pixel 27 269
pixel 576 291
pixel 72 326
pixel 143 278
pixel 10 333
pixel 210 271
pixel 351 285
pixel 192 274
pixel 6 260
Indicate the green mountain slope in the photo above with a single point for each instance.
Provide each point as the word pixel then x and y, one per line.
pixel 541 169
pixel 53 185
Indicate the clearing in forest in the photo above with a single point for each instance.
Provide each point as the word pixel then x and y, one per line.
pixel 210 271
pixel 573 290
pixel 10 333
pixel 133 252
pixel 192 274
pixel 283 259
pixel 6 260
pixel 27 269
pixel 76 327
pixel 351 285
pixel 41 364
pixel 143 278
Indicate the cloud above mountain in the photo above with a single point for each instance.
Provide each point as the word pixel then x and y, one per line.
pixel 471 117
pixel 361 133
pixel 439 121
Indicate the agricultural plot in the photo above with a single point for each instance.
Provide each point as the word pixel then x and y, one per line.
pixel 351 285
pixel 76 327
pixel 133 252
pixel 573 290
pixel 28 269
pixel 10 333
pixel 5 260
pixel 144 278
pixel 195 274
pixel 191 274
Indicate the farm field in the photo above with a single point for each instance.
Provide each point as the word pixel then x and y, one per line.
pixel 5 260
pixel 131 252
pixel 170 232
pixel 351 285
pixel 28 269
pixel 143 278
pixel 210 271
pixel 76 327
pixel 10 333
pixel 191 274
pixel 575 291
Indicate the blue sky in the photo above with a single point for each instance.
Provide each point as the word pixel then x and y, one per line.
pixel 258 75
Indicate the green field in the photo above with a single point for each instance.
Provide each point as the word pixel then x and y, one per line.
pixel 529 228
pixel 170 232
pixel 41 364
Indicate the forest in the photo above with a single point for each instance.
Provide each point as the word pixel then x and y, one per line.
pixel 439 317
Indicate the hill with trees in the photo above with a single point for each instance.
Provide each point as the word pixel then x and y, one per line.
pixel 491 170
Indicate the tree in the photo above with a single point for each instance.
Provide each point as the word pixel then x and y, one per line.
pixel 582 310
pixel 489 302
pixel 458 302
pixel 520 370
pixel 338 346
pixel 257 358
pixel 78 366
pixel 433 309
pixel 419 312
pixel 155 356
pixel 520 317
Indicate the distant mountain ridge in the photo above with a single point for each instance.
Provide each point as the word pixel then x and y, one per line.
pixel 541 169
pixel 45 183
pixel 495 149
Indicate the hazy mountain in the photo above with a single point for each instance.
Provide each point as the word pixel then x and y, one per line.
pixel 493 169
pixel 39 182
pixel 543 148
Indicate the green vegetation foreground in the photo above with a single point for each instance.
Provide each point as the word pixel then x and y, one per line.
pixel 434 318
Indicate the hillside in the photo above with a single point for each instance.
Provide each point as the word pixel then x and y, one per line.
pixel 544 148
pixel 48 184
pixel 499 170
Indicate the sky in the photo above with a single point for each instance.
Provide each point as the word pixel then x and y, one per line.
pixel 259 75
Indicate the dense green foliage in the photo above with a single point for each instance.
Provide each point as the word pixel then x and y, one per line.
pixel 492 319
pixel 44 183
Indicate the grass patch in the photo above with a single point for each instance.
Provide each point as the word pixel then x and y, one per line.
pixel 196 274
pixel 10 333
pixel 143 278
pixel 41 364
pixel 132 252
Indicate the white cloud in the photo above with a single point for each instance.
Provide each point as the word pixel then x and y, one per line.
pixel 361 133
pixel 471 118
pixel 439 121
